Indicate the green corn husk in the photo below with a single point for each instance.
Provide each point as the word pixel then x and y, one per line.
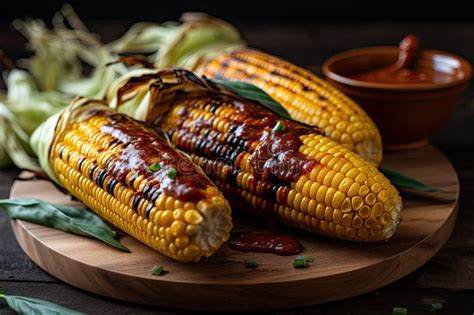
pixel 147 94
pixel 22 109
pixel 44 136
pixel 54 78
pixel 56 74
pixel 200 37
pixel 14 142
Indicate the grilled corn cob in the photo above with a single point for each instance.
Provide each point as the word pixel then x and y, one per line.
pixel 306 97
pixel 131 176
pixel 262 162
pixel 194 45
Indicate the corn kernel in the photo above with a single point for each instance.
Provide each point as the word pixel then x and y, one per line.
pixel 354 190
pixel 357 202
pixel 370 199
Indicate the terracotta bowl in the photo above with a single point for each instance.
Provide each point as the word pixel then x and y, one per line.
pixel 406 114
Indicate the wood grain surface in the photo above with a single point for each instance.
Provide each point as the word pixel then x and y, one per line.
pixel 341 269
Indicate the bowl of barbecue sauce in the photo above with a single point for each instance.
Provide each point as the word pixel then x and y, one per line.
pixel 409 92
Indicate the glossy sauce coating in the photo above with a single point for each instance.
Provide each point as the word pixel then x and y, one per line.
pixel 408 69
pixel 265 243
pixel 276 158
pixel 144 148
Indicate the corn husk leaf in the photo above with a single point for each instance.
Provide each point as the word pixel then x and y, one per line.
pixel 189 45
pixel 403 181
pixel 254 93
pixel 28 105
pixel 14 143
pixel 25 305
pixel 144 38
pixel 197 40
pixel 56 74
pixel 45 135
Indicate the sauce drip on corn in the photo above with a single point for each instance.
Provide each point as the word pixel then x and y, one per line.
pixel 276 157
pixel 143 150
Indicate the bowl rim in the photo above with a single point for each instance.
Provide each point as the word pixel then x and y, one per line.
pixel 390 86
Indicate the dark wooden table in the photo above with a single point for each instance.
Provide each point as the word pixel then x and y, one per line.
pixel 448 278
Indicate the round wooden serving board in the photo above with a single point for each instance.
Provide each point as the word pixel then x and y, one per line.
pixel 340 270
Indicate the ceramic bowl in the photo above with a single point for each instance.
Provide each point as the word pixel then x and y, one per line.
pixel 406 114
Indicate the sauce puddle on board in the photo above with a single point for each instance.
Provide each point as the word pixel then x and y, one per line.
pixel 265 243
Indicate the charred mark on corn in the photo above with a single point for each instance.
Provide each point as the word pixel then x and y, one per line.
pixel 61 150
pixel 277 156
pixel 111 185
pixel 79 164
pixel 136 203
pixel 100 177
pixel 92 170
pixel 148 210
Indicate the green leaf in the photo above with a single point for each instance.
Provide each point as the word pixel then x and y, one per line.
pixel 305 258
pixel 253 93
pixel 68 219
pixel 300 263
pixel 250 263
pixel 172 173
pixel 158 271
pixel 399 311
pixel 402 181
pixel 280 127
pixel 433 307
pixel 24 305
pixel 154 167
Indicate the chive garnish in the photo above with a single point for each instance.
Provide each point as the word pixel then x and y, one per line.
pixel 250 263
pixel 172 173
pixel 433 307
pixel 305 258
pixel 158 271
pixel 279 127
pixel 154 167
pixel 399 311
pixel 300 263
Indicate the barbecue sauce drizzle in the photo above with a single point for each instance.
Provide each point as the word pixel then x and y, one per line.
pixel 276 159
pixel 143 148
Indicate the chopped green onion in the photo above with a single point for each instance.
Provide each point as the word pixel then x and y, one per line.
pixel 300 263
pixel 172 173
pixel 250 263
pixel 158 271
pixel 279 127
pixel 399 311
pixel 154 167
pixel 305 258
pixel 433 307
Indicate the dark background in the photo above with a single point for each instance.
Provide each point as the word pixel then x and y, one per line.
pixel 308 27
pixel 247 10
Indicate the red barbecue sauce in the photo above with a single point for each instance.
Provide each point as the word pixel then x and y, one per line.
pixel 144 148
pixel 407 69
pixel 276 158
pixel 265 243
